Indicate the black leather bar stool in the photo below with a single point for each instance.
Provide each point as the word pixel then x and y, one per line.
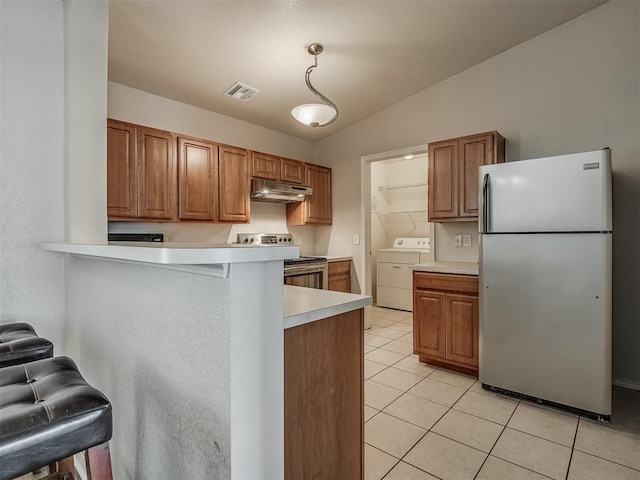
pixel 19 343
pixel 49 412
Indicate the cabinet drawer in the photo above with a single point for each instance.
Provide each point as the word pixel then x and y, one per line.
pixel 445 281
pixel 340 268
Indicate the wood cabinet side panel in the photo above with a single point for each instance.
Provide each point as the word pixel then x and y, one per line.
pixel 324 395
pixel 122 189
pixel 197 180
pixel 157 174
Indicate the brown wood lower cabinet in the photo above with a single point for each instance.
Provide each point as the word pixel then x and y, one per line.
pixel 323 398
pixel 445 320
pixel 340 276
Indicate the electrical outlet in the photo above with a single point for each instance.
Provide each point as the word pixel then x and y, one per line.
pixel 299 239
pixel 457 240
pixel 466 240
pixel 356 239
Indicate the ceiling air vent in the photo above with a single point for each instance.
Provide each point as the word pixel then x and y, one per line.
pixel 241 92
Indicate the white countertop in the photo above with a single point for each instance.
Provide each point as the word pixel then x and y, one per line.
pixel 463 268
pixel 334 258
pixel 303 305
pixel 178 253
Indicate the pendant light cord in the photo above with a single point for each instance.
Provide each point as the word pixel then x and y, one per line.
pixel 307 79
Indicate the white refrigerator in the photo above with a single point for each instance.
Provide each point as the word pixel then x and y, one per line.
pixel 545 280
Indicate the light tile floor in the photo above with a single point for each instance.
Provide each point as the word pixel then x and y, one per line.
pixel 424 422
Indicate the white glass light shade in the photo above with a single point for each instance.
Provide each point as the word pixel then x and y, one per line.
pixel 313 114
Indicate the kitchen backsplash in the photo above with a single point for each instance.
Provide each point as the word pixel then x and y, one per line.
pixel 445 239
pixel 265 218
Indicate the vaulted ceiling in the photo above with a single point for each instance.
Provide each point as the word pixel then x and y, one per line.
pixel 375 52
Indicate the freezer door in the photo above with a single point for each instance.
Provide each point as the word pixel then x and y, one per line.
pixel 545 317
pixel 568 193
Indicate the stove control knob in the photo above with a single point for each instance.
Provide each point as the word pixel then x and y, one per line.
pixel 252 240
pixel 246 240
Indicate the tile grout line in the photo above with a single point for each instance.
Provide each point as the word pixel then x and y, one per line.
pixel 581 419
pixel 504 427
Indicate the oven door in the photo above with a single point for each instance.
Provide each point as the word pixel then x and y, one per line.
pixel 307 276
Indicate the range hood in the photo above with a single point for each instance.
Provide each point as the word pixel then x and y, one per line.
pixel 278 192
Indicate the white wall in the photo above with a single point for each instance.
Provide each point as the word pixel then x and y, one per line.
pixel 32 164
pixel 574 88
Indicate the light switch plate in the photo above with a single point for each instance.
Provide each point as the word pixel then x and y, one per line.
pixel 466 240
pixel 356 239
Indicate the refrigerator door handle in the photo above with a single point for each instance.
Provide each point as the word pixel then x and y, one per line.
pixel 484 218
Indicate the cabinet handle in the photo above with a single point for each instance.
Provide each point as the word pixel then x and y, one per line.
pixel 397 268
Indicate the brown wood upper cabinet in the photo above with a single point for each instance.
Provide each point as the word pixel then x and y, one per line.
pixel 316 209
pixel 276 168
pixel 234 184
pixel 197 179
pixel 141 172
pixel 453 174
pixel 445 320
pixel 214 181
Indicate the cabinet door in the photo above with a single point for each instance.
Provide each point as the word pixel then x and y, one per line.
pixel 122 189
pixel 429 323
pixel 292 171
pixel 443 180
pixel 474 152
pixel 197 180
pixel 319 203
pixel 266 166
pixel 316 209
pixel 156 174
pixel 340 276
pixel 234 184
pixel 462 329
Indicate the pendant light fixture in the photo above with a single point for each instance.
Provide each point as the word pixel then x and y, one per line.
pixel 315 114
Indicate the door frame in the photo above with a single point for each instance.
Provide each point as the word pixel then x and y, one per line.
pixel 365 213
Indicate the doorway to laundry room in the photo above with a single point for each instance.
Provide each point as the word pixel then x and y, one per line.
pixel 395 203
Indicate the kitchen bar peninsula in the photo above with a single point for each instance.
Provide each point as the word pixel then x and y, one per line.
pixel 187 342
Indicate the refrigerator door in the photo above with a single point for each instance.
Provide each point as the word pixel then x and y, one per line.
pixel 568 193
pixel 545 317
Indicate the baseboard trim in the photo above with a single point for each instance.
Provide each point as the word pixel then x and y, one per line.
pixel 626 384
